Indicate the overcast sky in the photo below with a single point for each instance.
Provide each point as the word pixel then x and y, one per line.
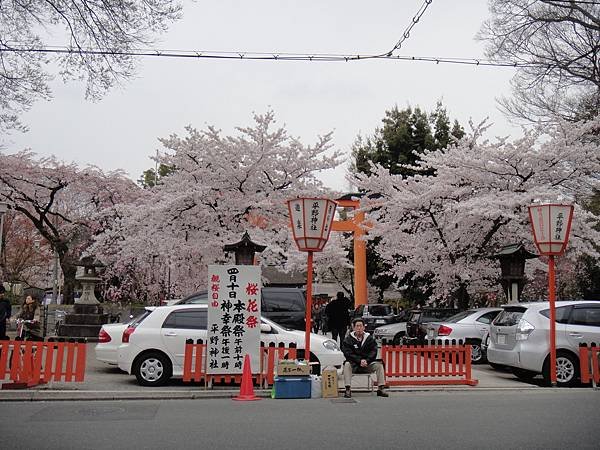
pixel 310 98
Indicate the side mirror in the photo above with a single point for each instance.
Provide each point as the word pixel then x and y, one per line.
pixel 266 328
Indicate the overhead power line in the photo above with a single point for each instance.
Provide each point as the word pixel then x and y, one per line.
pixel 274 56
pixel 260 56
pixel 23 48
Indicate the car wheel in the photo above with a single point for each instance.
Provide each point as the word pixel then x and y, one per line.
pixel 567 370
pixel 523 374
pixel 152 369
pixel 398 339
pixel 477 356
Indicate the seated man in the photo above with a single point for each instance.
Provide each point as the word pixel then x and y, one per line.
pixel 360 350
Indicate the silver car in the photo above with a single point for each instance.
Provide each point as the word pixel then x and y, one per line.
pixel 392 333
pixel 519 338
pixel 468 326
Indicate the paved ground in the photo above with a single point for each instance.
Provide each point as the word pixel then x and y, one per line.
pixel 108 382
pixel 477 419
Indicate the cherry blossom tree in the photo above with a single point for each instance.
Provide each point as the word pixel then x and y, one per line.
pixel 67 205
pixel 220 187
pixel 26 256
pixel 445 227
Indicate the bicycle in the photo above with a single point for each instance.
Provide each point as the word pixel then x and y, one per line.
pixel 24 333
pixel 59 318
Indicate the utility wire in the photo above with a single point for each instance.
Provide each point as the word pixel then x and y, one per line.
pixel 258 56
pixel 22 48
pixel 414 21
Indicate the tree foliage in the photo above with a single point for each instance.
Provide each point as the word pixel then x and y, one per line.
pixel 221 187
pixel 397 146
pixel 559 41
pixel 67 205
pixel 113 27
pixel 405 135
pixel 445 226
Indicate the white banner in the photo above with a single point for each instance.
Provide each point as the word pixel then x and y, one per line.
pixel 233 318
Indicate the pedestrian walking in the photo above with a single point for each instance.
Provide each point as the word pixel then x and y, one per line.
pixel 5 312
pixel 338 316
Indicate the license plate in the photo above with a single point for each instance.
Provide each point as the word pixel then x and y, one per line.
pixel 430 334
pixel 501 339
pixel 380 321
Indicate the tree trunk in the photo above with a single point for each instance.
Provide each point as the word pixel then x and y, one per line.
pixel 69 271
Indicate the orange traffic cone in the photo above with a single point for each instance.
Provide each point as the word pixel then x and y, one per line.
pixel 247 388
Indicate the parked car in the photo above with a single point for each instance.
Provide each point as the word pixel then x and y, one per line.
pixel 519 338
pixel 375 315
pixel 390 334
pixel 419 318
pixel 109 338
pixel 153 347
pixel 468 326
pixel 285 306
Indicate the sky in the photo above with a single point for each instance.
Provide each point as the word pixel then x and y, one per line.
pixel 309 98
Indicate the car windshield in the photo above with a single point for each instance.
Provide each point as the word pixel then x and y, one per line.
pixel 460 316
pixel 380 310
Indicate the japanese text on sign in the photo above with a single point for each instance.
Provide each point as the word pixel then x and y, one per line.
pixel 233 318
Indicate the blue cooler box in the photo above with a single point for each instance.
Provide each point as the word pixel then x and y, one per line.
pixel 292 387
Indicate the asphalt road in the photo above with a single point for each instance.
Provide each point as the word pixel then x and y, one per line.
pixel 548 419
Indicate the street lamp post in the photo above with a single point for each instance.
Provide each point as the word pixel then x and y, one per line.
pixel 311 220
pixel 551 226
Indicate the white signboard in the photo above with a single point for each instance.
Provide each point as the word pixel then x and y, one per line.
pixel 311 219
pixel 233 318
pixel 551 224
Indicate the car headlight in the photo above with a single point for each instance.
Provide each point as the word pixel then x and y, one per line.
pixel 331 345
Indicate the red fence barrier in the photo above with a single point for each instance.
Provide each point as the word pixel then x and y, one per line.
pixel 428 364
pixel 194 363
pixel 28 363
pixel 589 363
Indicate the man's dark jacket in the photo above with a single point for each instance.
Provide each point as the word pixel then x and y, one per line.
pixel 354 351
pixel 337 313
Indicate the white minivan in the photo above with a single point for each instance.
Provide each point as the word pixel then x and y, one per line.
pixel 519 338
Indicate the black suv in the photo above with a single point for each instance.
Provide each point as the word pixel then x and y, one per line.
pixel 418 318
pixel 375 315
pixel 285 306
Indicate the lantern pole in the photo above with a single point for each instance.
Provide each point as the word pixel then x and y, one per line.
pixel 552 300
pixel 308 316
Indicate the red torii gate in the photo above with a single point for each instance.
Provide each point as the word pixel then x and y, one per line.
pixel 356 226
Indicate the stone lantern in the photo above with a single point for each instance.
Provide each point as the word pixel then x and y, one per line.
pixel 512 266
pixel 88 315
pixel 88 281
pixel 244 250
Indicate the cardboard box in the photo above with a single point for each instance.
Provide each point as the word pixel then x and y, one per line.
pixel 292 387
pixel 329 379
pixel 292 368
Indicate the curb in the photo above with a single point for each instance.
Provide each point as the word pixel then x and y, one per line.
pixel 56 395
